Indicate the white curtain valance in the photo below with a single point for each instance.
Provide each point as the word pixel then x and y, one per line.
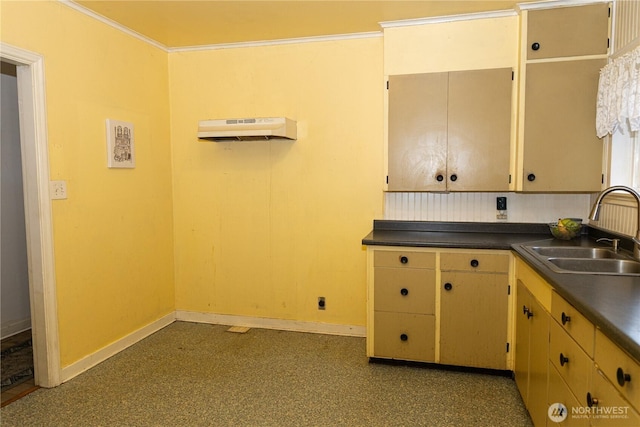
pixel 619 94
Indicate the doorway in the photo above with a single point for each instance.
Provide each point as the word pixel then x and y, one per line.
pixel 37 210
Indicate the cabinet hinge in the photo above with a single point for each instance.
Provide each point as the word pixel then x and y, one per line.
pixel 512 74
pixel 387 179
pixel 507 347
pixel 387 84
pixel 602 179
pixel 609 15
pixel 508 289
pixel 608 41
pixel 509 178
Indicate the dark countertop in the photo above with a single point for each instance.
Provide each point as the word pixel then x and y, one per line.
pixel 611 302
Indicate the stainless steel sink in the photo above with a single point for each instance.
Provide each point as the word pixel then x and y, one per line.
pixel 593 266
pixel 574 252
pixel 585 260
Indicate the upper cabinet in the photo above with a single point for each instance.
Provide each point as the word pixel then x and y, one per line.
pixel 450 131
pixel 568 31
pixel 562 52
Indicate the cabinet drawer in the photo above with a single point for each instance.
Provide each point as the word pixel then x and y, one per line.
pixel 580 329
pixel 406 290
pixel 404 259
pixel 611 409
pixel 477 261
pixel 404 336
pixel 559 392
pixel 610 358
pixel 575 366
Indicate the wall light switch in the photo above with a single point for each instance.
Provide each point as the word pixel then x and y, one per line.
pixel 58 190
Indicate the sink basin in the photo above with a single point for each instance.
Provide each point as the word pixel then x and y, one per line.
pixel 574 252
pixel 594 266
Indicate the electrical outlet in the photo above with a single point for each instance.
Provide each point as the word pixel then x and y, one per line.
pixel 321 303
pixel 58 190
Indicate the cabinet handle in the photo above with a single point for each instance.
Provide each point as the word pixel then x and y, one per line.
pixel 474 263
pixel 563 359
pixel 565 319
pixel 454 177
pixel 404 259
pixel 404 291
pixel 439 177
pixel 591 401
pixel 531 177
pixel 448 286
pixel 404 337
pixel 622 377
pixel 527 312
pixel 535 46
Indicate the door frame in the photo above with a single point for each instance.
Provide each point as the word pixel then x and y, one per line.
pixel 38 216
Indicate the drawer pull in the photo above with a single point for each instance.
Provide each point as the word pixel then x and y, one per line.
pixel 565 319
pixel 474 263
pixel 563 359
pixel 404 292
pixel 622 377
pixel 404 337
pixel 535 46
pixel 591 401
pixel 404 259
pixel 448 286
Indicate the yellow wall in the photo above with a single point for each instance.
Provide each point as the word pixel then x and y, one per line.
pixel 113 235
pixel 452 46
pixel 262 229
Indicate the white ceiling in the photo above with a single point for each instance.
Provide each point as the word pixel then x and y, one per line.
pixel 181 23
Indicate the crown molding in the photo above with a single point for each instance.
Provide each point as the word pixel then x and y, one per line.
pixel 448 18
pixel 112 23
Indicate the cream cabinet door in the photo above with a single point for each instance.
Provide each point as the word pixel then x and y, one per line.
pixel 561 151
pixel 450 131
pixel 568 31
pixel 479 130
pixel 417 152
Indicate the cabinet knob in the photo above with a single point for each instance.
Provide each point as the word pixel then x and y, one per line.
pixel 565 319
pixel 591 401
pixel 439 177
pixel 404 337
pixel 535 46
pixel 474 263
pixel 531 177
pixel 454 177
pixel 563 359
pixel 448 286
pixel 622 377
pixel 404 292
pixel 404 259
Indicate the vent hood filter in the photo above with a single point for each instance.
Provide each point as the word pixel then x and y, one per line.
pixel 250 129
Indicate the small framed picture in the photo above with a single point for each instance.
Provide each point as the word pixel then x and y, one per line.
pixel 120 144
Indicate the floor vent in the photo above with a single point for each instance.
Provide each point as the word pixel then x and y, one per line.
pixel 238 329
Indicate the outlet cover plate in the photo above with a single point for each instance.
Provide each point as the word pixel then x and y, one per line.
pixel 58 190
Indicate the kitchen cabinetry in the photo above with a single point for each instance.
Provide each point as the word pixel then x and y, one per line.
pixel 562 52
pixel 531 346
pixel 461 321
pixel 450 131
pixel 404 305
pixel 474 309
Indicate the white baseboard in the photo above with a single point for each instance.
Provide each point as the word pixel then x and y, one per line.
pixel 88 362
pixel 14 327
pixel 268 323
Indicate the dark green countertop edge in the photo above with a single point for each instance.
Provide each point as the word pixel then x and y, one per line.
pixel 608 301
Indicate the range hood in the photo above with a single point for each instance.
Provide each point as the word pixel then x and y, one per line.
pixel 249 129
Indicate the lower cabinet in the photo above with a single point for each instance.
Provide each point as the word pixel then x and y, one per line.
pixel 566 368
pixel 531 352
pixel 432 305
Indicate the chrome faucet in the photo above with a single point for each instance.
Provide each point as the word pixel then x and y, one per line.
pixel 595 213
